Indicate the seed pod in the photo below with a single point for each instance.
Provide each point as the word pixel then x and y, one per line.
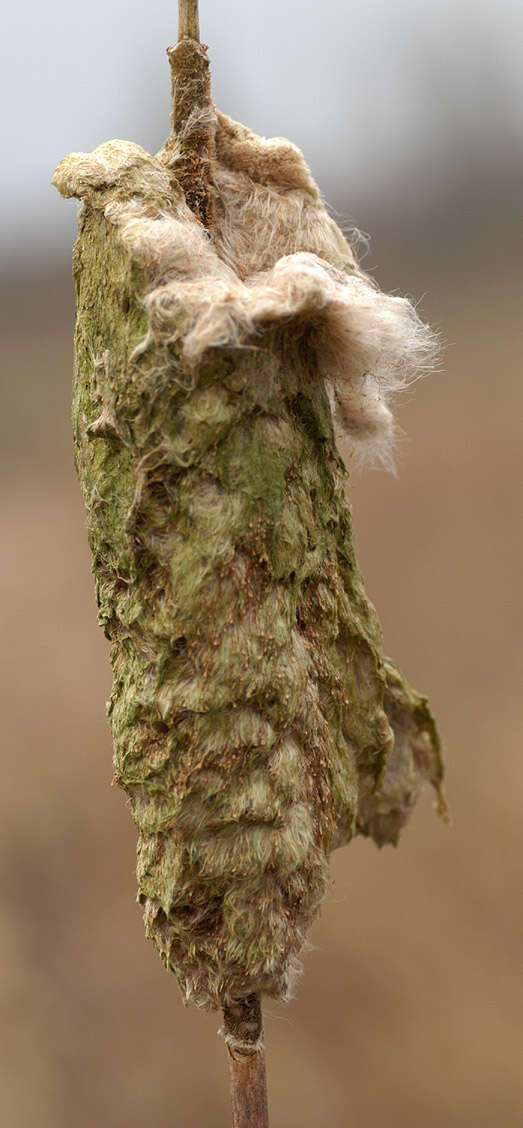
pixel 256 723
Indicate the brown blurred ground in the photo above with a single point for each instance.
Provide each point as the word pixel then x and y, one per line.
pixel 410 1011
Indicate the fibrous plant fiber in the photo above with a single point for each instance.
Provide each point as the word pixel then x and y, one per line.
pixel 257 724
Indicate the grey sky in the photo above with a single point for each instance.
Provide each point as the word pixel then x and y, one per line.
pixel 375 92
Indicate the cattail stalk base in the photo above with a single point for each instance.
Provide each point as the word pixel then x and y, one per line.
pixel 243 1033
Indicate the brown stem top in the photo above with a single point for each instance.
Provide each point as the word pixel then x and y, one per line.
pixel 190 151
pixel 188 20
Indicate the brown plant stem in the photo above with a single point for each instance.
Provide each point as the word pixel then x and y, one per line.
pixel 243 1033
pixel 190 151
pixel 188 20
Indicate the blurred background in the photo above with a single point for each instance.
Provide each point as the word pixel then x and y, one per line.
pixel 410 1011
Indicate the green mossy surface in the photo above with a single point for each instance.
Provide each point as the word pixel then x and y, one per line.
pixel 249 702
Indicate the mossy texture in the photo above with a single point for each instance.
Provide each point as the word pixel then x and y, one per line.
pixel 256 723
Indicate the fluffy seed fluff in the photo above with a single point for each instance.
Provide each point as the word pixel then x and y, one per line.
pixel 256 723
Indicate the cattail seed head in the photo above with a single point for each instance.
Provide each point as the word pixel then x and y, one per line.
pixel 256 722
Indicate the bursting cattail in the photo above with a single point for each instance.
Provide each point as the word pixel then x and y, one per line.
pixel 228 352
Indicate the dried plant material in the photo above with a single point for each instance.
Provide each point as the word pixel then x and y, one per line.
pixel 256 723
pixel 192 142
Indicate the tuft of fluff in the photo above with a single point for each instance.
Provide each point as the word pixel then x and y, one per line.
pixel 277 260
pixel 367 345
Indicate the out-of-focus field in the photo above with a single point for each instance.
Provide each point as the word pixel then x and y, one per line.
pixel 410 1011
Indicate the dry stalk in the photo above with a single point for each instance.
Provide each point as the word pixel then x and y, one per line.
pixel 243 1033
pixel 192 145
